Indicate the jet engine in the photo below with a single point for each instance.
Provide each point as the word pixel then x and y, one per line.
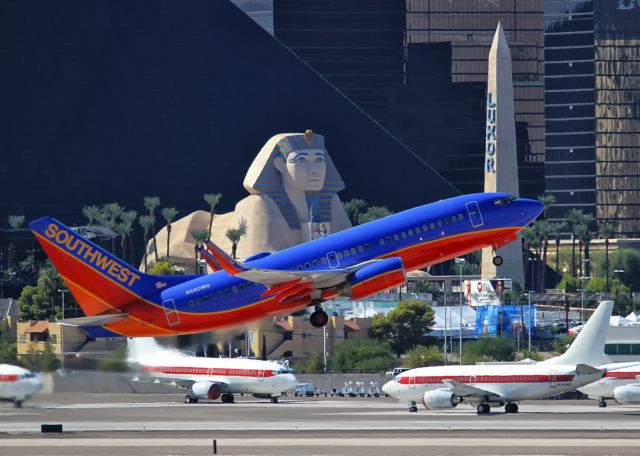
pixel 206 390
pixel 628 394
pixel 439 399
pixel 373 278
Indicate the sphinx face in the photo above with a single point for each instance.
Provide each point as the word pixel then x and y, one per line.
pixel 304 170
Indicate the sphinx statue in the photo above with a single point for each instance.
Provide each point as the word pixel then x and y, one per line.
pixel 292 185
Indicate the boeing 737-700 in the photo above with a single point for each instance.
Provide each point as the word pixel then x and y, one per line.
pixel 210 378
pixel 621 383
pixel 485 385
pixel 355 263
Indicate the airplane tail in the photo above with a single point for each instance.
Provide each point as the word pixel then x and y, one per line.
pixel 100 282
pixel 588 347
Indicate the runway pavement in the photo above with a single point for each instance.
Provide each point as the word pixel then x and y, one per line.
pixel 162 424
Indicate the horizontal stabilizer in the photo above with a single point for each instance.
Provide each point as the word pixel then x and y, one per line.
pixel 97 320
pixel 585 369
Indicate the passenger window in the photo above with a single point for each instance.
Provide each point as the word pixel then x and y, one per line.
pixel 300 267
pixel 198 301
pixel 388 238
pixel 346 253
pixel 339 255
pixel 227 292
pixel 460 217
pixel 353 250
pixel 191 303
pixel 213 296
pixel 439 223
pixel 307 265
pixel 418 230
pixel 403 235
pixel 410 232
pixel 367 246
pixel 381 241
pixel 453 219
pixel 220 294
pixel 396 237
pixel 323 260
pixel 249 284
pixel 360 249
pixel 426 228
pixel 205 298
pixel 235 289
pixel 446 220
pixel 241 286
pixel 432 226
pixel 315 262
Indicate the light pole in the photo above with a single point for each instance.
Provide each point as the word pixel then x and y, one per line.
pixel 62 292
pixel 529 322
pixel 618 272
pixel 582 279
pixel 445 326
pixel 533 272
pixel 460 262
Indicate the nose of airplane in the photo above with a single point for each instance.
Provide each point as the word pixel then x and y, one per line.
pixel 291 381
pixel 390 388
pixel 529 209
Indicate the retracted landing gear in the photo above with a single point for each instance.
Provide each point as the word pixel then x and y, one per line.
pixel 511 408
pixel 483 408
pixel 319 317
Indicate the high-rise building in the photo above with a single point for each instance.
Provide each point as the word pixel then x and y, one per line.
pixel 419 67
pixel 592 106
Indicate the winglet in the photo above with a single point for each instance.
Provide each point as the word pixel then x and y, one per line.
pixel 227 263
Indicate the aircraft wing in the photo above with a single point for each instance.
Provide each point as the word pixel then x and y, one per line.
pixel 468 391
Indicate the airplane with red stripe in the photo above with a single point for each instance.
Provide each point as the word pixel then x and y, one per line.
pixel 482 386
pixel 210 378
pixel 621 383
pixel 118 299
pixel 17 384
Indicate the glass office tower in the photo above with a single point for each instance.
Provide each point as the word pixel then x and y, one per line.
pixel 592 107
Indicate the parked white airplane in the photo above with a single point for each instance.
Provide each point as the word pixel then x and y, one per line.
pixel 486 385
pixel 17 384
pixel 210 378
pixel 621 383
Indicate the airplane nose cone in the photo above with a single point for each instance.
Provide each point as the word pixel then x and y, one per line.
pixel 390 388
pixel 530 209
pixel 291 381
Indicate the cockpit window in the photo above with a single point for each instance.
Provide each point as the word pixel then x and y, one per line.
pixel 30 375
pixel 396 378
pixel 505 201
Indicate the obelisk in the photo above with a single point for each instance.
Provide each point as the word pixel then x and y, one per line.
pixel 501 159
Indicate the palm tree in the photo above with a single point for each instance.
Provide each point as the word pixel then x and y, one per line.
pixel 353 208
pixel 557 228
pixel 92 213
pixel 147 222
pixel 169 213
pixel 373 213
pixel 151 203
pixel 235 234
pixel 16 221
pixel 199 236
pixel 575 217
pixel 212 200
pixel 124 230
pixel 109 218
pixel 605 230
pixel 544 231
pixel 548 201
pixel 130 218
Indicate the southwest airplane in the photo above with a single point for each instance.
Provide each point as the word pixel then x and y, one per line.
pixel 17 384
pixel 484 385
pixel 357 262
pixel 210 378
pixel 621 384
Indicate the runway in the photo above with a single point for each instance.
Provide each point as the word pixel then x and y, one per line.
pixel 162 424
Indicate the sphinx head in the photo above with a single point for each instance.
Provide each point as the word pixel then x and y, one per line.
pixel 302 169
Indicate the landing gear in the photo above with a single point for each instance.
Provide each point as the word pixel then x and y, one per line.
pixel 227 399
pixel 483 408
pixel 413 408
pixel 18 403
pixel 497 260
pixel 190 400
pixel 602 403
pixel 274 400
pixel 511 408
pixel 319 317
